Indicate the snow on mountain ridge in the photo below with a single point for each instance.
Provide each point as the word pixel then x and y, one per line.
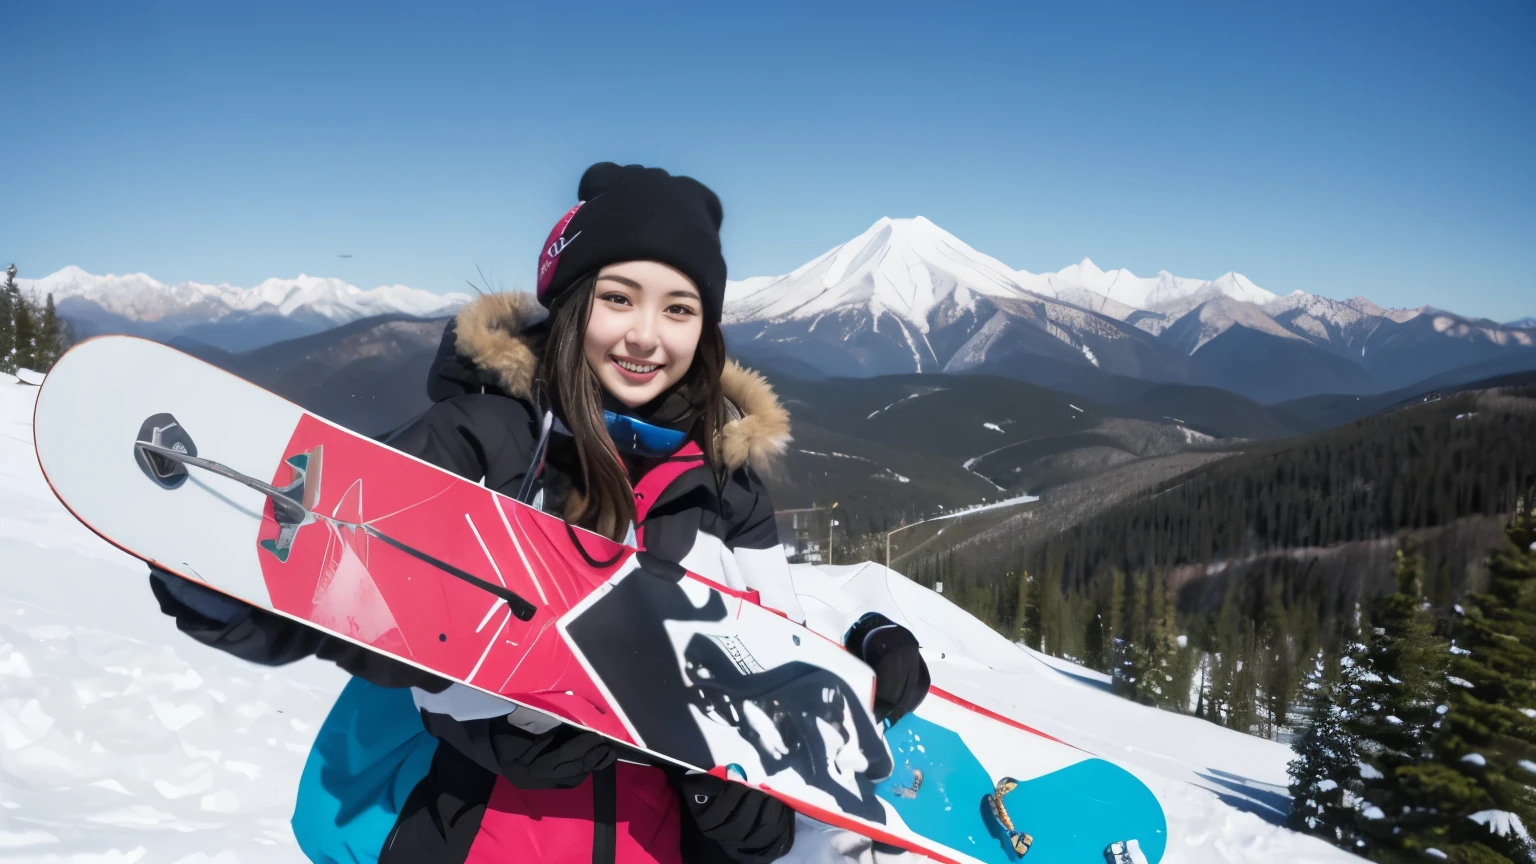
pixel 141 297
pixel 908 267
pixel 134 295
pixel 1240 287
pixel 1220 314
pixel 1133 292
pixel 1338 312
pixel 903 267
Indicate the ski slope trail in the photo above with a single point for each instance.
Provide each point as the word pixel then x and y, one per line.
pixel 123 741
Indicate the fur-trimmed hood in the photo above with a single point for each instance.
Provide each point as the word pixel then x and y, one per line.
pixel 498 333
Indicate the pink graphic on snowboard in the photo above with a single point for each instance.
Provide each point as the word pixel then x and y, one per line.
pixel 332 572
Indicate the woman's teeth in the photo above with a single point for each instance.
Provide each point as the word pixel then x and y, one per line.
pixel 635 367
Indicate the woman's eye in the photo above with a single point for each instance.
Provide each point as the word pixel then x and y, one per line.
pixel 680 310
pixel 616 298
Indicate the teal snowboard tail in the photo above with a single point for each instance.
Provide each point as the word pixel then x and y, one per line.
pixel 1000 792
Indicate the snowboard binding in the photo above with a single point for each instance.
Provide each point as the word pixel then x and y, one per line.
pixel 302 488
pixel 163 431
pixel 164 450
pixel 1015 842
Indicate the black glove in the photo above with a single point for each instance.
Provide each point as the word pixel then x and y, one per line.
pixel 558 759
pixel 749 826
pixel 260 636
pixel 901 676
pixel 200 599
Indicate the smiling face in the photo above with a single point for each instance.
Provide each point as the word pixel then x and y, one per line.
pixel 643 331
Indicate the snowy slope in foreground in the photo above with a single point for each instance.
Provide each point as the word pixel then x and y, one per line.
pixel 123 741
pixel 120 739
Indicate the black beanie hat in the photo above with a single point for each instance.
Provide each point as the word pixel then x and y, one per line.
pixel 634 213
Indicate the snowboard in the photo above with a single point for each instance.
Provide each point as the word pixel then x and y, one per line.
pixel 1042 800
pixel 219 481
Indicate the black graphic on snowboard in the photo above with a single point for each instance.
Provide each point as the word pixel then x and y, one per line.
pixel 776 710
pixel 624 638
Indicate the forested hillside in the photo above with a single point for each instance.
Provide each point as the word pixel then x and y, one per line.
pixel 1231 576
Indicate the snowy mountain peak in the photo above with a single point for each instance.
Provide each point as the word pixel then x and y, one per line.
pixel 1084 269
pixel 898 266
pixel 73 273
pixel 1364 304
pixel 319 294
pixel 1240 287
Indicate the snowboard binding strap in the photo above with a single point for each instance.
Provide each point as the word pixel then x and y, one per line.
pixel 1016 841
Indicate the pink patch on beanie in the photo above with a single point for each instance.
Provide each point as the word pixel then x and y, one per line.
pixel 549 258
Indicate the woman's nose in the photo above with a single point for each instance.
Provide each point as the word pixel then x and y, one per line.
pixel 643 336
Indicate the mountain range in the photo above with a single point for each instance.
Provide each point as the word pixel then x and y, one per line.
pixel 891 447
pixel 888 445
pixel 226 316
pixel 908 297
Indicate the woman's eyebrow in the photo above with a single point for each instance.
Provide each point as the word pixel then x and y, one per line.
pixel 620 279
pixel 684 292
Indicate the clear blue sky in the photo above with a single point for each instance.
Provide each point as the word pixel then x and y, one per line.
pixel 1377 148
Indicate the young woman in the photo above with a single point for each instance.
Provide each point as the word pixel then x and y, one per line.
pixel 569 407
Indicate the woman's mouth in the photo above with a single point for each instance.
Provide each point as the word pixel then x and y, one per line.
pixel 634 371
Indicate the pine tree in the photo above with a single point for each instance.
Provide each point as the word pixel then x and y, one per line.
pixel 9 297
pixel 1094 639
pixel 1157 652
pixel 1114 627
pixel 1080 610
pixel 1281 661
pixel 1223 664
pixel 1325 777
pixel 23 334
pixel 1137 635
pixel 1050 616
pixel 1021 608
pixel 1243 689
pixel 53 338
pixel 1486 750
pixel 1402 691
pixel 1029 597
pixel 1180 666
pixel 1154 647
pixel 1203 686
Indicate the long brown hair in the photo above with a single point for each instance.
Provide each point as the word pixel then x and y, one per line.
pixel 604 499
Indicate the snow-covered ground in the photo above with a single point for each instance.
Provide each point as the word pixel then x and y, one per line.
pixel 123 741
